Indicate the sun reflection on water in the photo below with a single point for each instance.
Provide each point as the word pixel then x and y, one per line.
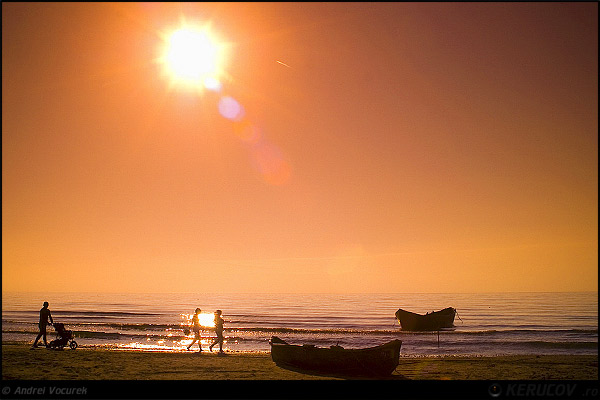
pixel 206 320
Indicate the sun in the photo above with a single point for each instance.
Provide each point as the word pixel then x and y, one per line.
pixel 192 55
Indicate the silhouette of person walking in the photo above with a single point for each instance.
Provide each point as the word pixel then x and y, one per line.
pixel 219 330
pixel 196 328
pixel 44 316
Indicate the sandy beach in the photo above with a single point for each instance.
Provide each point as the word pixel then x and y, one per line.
pixel 20 363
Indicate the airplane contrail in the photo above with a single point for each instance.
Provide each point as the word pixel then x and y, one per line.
pixel 282 63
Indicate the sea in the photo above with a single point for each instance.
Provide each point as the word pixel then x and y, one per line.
pixel 486 324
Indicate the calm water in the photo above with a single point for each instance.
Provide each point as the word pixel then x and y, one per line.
pixel 489 324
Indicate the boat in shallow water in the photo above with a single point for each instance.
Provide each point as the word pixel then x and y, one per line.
pixel 433 321
pixel 380 360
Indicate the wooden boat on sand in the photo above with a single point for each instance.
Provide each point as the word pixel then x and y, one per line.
pixel 372 361
pixel 432 321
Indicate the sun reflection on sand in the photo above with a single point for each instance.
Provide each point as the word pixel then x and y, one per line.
pixel 145 347
pixel 162 345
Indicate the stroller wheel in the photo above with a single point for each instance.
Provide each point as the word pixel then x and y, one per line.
pixel 73 345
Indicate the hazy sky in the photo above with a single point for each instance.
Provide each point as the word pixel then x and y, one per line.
pixel 395 147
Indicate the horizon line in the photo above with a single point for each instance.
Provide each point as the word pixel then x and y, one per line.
pixel 300 293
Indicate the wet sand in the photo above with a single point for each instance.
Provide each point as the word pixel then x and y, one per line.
pixel 18 362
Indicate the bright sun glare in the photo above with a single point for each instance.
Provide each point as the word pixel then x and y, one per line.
pixel 192 55
pixel 206 320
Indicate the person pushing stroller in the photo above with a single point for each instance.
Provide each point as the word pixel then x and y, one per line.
pixel 44 317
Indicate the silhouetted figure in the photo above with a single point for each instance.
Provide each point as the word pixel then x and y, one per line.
pixel 219 330
pixel 44 317
pixel 196 328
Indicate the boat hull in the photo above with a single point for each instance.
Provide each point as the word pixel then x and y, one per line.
pixel 429 322
pixel 373 361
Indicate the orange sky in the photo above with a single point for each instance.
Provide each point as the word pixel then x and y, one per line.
pixel 404 147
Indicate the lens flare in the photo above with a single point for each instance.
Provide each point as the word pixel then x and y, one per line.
pixel 270 162
pixel 230 108
pixel 193 60
pixel 247 132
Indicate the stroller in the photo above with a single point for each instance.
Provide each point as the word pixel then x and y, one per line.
pixel 63 337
